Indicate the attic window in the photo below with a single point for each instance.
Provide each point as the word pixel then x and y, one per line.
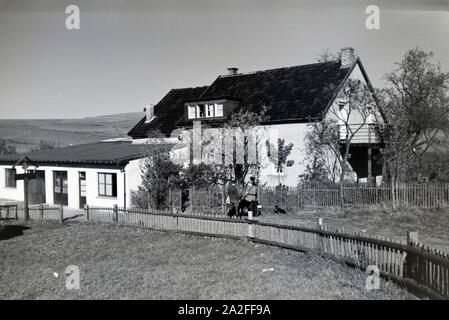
pixel 210 110
pixel 342 103
pixel 191 112
pixel 205 110
pixel 218 110
pixel 201 110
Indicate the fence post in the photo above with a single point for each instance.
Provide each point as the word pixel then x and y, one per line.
pixel 319 236
pixel 41 211
pixel 223 200
pixel 171 209
pixel 320 223
pixel 17 215
pixel 411 265
pixel 86 210
pixel 392 193
pixel 115 213
pixel 250 228
pixel 61 213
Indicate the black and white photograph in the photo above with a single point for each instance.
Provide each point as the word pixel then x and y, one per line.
pixel 236 152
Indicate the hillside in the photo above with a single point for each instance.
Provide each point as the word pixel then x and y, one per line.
pixel 25 134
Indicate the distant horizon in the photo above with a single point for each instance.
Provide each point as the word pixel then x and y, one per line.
pixel 80 118
pixel 128 54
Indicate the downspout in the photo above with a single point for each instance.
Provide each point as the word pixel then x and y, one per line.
pixel 124 187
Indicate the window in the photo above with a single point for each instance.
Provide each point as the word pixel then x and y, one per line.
pixel 192 112
pixel 201 111
pixel 219 110
pixel 205 110
pixel 107 184
pixel 210 110
pixel 10 178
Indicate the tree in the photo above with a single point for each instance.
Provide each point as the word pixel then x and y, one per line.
pixel 159 174
pixel 201 176
pixel 6 148
pixel 416 108
pixel 332 137
pixel 283 151
pixel 46 145
pixel 327 55
pixel 323 156
pixel 245 122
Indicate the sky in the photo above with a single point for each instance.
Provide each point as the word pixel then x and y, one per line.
pixel 128 54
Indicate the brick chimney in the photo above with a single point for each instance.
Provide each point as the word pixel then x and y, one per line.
pixel 347 57
pixel 233 71
pixel 149 111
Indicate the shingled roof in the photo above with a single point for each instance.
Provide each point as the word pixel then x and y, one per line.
pixel 117 153
pixel 167 112
pixel 294 94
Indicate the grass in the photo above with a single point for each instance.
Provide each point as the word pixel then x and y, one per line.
pixel 118 262
pixel 431 224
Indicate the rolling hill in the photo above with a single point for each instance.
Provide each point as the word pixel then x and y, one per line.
pixel 25 134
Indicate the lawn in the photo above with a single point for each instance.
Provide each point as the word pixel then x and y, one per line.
pixel 431 224
pixel 118 262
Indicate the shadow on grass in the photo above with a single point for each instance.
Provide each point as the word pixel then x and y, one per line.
pixel 11 231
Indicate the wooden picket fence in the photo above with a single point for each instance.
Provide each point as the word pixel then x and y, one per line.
pixel 312 196
pixel 36 212
pixel 420 268
pixel 210 201
pixel 327 196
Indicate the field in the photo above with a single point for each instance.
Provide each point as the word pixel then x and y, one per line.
pixel 26 134
pixel 118 262
pixel 431 224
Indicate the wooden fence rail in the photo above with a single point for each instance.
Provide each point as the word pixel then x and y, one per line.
pixel 306 196
pixel 39 212
pixel 420 268
pixel 328 196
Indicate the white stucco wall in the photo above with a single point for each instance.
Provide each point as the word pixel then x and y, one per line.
pixel 133 178
pixel 292 133
pixel 132 171
pixel 8 192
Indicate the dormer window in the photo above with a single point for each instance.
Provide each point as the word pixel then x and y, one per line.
pixel 201 110
pixel 209 109
pixel 192 112
pixel 218 110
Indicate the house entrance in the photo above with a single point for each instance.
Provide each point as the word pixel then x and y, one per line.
pixel 60 187
pixel 82 188
pixel 36 188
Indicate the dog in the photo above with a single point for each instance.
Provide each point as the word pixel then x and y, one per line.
pixel 279 210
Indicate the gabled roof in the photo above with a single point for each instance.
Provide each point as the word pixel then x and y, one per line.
pixel 117 153
pixel 167 112
pixel 294 94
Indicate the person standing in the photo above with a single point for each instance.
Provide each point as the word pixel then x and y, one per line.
pixel 250 199
pixel 234 198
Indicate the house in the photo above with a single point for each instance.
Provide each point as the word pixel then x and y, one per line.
pixel 108 172
pixel 296 96
pixel 101 174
